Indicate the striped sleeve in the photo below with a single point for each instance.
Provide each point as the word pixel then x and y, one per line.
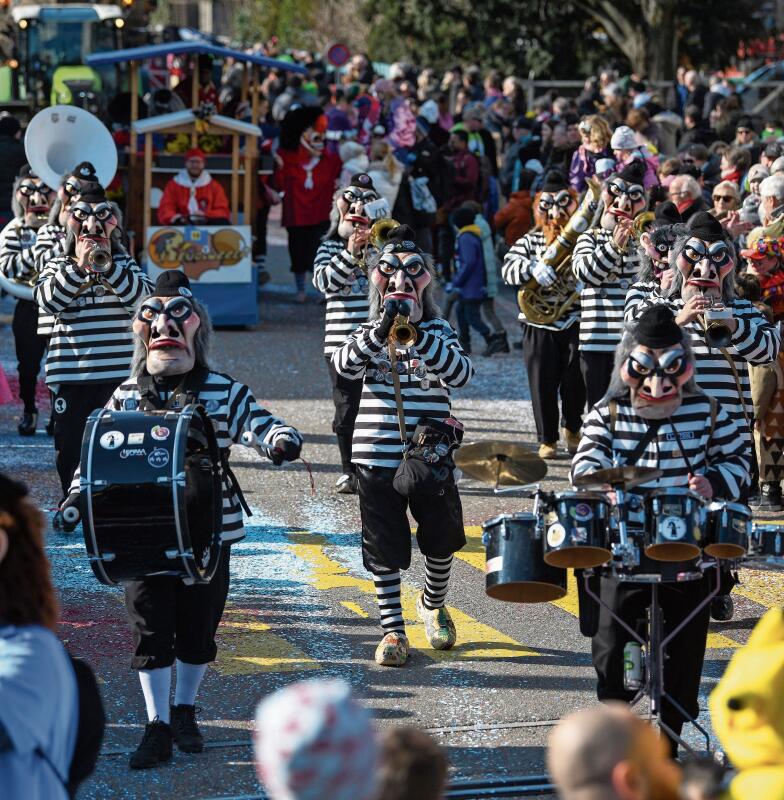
pixel 127 281
pixel 592 261
pixel 444 357
pixel 728 461
pixel 48 245
pixel 637 294
pixel 58 284
pixel 352 357
pixel 245 414
pixel 755 339
pixel 16 261
pixel 517 264
pixel 333 267
pixel 595 450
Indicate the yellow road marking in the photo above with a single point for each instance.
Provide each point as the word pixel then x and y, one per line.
pixel 247 646
pixel 475 639
pixel 355 607
pixel 762 586
pixel 476 557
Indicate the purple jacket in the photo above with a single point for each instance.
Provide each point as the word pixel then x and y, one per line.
pixel 583 166
pixel 470 278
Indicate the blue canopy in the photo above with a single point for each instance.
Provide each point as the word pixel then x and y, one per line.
pixel 179 48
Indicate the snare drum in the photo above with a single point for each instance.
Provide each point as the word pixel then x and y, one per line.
pixel 576 530
pixel 151 492
pixel 769 543
pixel 727 530
pixel 516 571
pixel 673 525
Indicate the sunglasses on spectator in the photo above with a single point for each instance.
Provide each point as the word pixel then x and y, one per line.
pixel 723 198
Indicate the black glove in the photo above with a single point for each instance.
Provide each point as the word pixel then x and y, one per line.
pixel 391 310
pixel 286 448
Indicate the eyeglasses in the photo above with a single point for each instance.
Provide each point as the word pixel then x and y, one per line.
pixel 28 188
pixel 723 198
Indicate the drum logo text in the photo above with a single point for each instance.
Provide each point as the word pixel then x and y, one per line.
pixel 160 433
pixel 130 452
pixel 111 440
pixel 158 458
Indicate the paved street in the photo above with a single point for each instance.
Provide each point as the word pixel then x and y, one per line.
pixel 301 604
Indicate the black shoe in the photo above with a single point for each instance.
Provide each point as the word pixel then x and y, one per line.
pixel 28 424
pixel 770 497
pixel 155 747
pixel 518 345
pixel 185 730
pixel 722 608
pixel 50 427
pixel 496 343
pixel 61 526
pixel 503 343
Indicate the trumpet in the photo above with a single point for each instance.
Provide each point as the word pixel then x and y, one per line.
pixel 402 333
pixel 377 237
pixel 99 260
pixel 641 223
pixel 717 332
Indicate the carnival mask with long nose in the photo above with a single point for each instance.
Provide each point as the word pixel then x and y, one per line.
pixel 402 274
pixel 313 138
pixel 91 221
pixel 552 210
pixel 351 204
pixel 35 200
pixel 705 260
pixel 657 244
pixel 167 326
pixel 623 194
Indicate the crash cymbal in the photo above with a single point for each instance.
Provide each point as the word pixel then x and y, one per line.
pixel 501 463
pixel 626 476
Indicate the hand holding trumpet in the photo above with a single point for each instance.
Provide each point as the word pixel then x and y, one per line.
pixel 622 233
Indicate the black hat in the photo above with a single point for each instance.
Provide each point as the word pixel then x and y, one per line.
pixel 84 172
pixel 666 213
pixel 773 150
pixel 745 122
pixel 705 226
pixel 657 328
pixel 692 170
pixel 633 172
pixel 463 216
pixel 94 194
pixel 362 180
pixel 295 123
pixel 26 171
pixel 554 181
pixel 401 240
pixel 172 283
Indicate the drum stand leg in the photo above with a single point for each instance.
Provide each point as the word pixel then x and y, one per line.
pixel 655 647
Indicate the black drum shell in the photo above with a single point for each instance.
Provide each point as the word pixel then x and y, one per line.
pixel 577 530
pixel 665 507
pixel 770 541
pixel 515 568
pixel 727 531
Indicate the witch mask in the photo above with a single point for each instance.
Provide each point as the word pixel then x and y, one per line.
pixel 656 377
pixel 168 326
pixel 401 274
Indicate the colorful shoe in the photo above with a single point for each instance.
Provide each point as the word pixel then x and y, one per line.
pixel 439 628
pixel 548 450
pixel 572 440
pixel 392 650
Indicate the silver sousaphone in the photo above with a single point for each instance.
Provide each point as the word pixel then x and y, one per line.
pixel 57 139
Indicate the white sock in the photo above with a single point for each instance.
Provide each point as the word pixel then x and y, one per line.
pixel 156 685
pixel 188 679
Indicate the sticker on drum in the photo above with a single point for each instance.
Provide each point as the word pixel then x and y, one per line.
pixel 556 534
pixel 158 458
pixel 740 525
pixel 160 433
pixel 111 440
pixel 672 528
pixel 135 438
pixel 582 512
pixel 670 510
pixel 550 518
pixel 580 535
pixel 494 564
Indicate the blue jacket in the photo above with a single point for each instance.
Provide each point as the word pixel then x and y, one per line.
pixel 470 278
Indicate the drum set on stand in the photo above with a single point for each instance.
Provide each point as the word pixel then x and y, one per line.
pixel 604 529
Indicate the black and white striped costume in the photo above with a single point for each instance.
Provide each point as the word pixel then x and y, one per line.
pixel 755 341
pixel 550 351
pixel 91 345
pixel 720 456
pixel 435 364
pixel 49 244
pixel 723 459
pixel 638 292
pixel 607 275
pixel 17 262
pixel 233 410
pixel 336 273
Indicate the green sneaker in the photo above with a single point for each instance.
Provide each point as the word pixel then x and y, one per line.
pixel 439 627
pixel 392 650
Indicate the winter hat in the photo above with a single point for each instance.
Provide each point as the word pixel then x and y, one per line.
pixel 623 138
pixel 749 211
pixel 473 111
pixel 85 171
pixel 172 283
pixel 604 166
pixel 463 216
pixel 535 165
pixel 429 110
pixel 706 227
pixel 666 213
pixel 633 172
pixel 745 122
pixel 195 152
pixel 554 181
pixel 758 172
pixel 657 328
pixel 362 181
pixel 777 165
pixel 313 742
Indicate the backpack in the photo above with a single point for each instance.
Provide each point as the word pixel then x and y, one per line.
pixel 92 723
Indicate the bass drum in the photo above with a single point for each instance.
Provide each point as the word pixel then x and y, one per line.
pixel 515 568
pixel 151 495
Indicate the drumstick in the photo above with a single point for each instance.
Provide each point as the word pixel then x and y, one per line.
pixel 71 515
pixel 249 439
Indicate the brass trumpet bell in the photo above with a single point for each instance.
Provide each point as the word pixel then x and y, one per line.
pixel 403 334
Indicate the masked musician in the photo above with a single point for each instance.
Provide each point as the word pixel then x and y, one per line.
pixel 550 351
pixel 655 415
pixel 339 275
pixel 31 201
pixel 401 283
pixel 91 345
pixel 605 259
pixel 655 276
pixel 170 620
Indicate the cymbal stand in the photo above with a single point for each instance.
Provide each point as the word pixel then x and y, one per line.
pixel 655 644
pixel 625 549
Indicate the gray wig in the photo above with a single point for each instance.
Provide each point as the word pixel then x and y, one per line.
pixel 201 342
pixel 334 214
pixel 629 341
pixel 430 309
pixel 16 206
pixel 663 232
pixel 728 287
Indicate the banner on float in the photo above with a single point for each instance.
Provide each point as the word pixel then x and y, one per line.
pixel 214 254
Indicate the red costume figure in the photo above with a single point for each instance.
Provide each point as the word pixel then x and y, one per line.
pixel 306 175
pixel 193 196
